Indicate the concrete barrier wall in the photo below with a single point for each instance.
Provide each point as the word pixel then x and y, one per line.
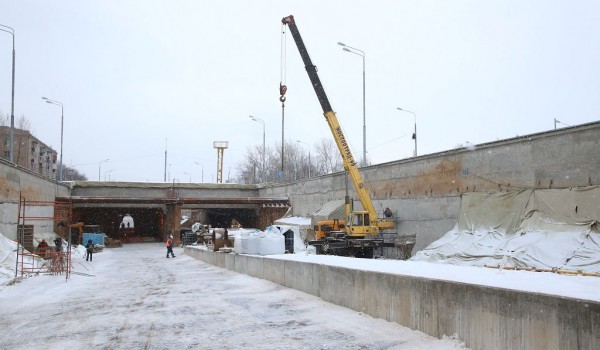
pixel 483 317
pixel 424 192
pixel 16 181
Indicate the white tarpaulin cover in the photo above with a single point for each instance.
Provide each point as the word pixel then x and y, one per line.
pixel 8 259
pixel 544 229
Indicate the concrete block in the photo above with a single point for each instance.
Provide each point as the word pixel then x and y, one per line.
pixel 588 322
pixel 241 263
pixel 378 295
pixel 249 265
pixel 206 256
pixel 254 266
pixel 219 259
pixel 229 261
pixel 339 286
pixel 403 301
pixel 302 276
pixel 274 271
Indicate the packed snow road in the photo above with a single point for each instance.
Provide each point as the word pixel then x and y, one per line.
pixel 135 298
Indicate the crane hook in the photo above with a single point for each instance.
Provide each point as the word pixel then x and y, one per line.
pixel 282 91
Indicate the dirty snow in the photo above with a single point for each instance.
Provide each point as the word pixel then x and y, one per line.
pixel 134 298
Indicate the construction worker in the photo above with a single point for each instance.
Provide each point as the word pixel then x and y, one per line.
pixel 170 246
pixel 42 246
pixel 89 249
pixel 58 244
pixel 387 213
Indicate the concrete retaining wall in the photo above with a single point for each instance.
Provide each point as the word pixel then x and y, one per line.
pixel 424 192
pixel 16 181
pixel 483 317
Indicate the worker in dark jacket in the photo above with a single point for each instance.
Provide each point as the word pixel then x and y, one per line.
pixel 89 249
pixel 170 246
pixel 58 244
pixel 388 213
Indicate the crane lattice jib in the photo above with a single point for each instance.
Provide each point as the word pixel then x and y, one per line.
pixel 349 163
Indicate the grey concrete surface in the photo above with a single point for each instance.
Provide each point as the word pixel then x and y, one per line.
pixel 16 182
pixel 483 317
pixel 424 192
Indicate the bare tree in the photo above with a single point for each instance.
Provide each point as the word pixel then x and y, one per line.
pixel 23 123
pixel 4 119
pixel 250 170
pixel 329 159
pixel 297 165
pixel 71 174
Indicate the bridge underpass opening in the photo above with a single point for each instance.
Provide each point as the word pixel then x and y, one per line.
pixel 148 222
pixel 254 216
pixel 222 217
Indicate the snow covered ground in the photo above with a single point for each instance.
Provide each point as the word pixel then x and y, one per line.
pixel 134 298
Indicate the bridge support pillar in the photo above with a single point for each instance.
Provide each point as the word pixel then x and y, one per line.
pixel 172 221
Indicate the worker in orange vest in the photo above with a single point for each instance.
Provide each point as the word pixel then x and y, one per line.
pixel 170 246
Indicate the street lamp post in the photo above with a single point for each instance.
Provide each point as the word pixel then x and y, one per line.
pixel 415 134
pixel 99 163
pixel 201 166
pixel 362 54
pixel 107 173
pixel 11 31
pixel 308 155
pixel 188 174
pixel 62 118
pixel 263 150
pixel 556 121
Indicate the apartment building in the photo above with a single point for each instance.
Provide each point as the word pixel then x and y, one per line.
pixel 28 152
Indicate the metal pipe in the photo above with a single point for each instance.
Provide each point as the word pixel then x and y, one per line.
pixel 12 101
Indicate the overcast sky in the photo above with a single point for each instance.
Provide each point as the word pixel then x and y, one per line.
pixel 134 73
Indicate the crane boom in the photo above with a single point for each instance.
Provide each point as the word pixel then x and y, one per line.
pixel 348 159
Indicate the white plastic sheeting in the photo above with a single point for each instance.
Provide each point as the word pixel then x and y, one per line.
pixel 299 226
pixel 544 229
pixel 8 259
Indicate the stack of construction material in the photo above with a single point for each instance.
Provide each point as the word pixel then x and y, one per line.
pixel 265 243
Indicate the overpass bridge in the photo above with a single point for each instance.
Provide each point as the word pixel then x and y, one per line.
pixel 157 207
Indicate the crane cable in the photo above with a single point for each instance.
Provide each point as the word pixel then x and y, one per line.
pixel 283 66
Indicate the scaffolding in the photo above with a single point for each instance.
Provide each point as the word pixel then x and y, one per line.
pixel 49 260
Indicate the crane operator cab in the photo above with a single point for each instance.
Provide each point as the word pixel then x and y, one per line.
pixel 360 225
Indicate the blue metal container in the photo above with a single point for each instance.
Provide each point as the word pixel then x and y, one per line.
pixel 97 238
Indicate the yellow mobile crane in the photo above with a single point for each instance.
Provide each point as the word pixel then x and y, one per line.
pixel 361 235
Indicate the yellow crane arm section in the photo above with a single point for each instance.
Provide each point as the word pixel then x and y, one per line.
pixel 350 165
